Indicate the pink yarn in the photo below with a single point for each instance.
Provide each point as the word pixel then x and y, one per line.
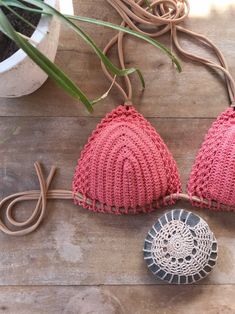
pixel 125 167
pixel 213 174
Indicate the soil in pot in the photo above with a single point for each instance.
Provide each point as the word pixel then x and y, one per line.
pixel 7 46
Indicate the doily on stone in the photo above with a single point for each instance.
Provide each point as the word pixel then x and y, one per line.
pixel 180 248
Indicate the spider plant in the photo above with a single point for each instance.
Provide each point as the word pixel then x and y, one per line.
pixel 52 70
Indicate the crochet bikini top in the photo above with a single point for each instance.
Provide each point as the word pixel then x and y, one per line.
pixel 126 167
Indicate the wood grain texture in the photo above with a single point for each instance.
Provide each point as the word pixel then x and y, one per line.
pixel 196 92
pixel 74 246
pixel 118 300
pixel 80 262
pixel 59 141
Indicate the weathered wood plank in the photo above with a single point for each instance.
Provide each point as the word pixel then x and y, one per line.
pixel 74 246
pixel 60 140
pixel 194 93
pixel 118 300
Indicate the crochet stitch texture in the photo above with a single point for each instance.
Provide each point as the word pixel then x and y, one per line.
pixel 213 174
pixel 180 248
pixel 125 167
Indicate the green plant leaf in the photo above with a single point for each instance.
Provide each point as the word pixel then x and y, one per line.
pixel 127 30
pixel 110 66
pixel 21 5
pixel 43 62
pixel 51 69
pixel 17 15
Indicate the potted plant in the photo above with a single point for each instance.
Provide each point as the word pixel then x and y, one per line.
pixel 19 75
pixel 33 52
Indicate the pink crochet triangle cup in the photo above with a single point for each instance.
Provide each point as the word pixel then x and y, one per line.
pixel 125 167
pixel 213 174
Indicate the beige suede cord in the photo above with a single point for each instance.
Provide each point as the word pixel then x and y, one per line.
pixel 155 18
pixel 16 228
pixel 152 18
pixel 13 227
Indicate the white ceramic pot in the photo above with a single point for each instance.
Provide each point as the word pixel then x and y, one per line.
pixel 19 75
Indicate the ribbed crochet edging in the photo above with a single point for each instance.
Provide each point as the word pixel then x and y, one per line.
pixel 211 204
pixel 125 164
pixel 96 206
pixel 212 177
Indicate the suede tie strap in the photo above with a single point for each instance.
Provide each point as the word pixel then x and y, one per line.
pixel 150 18
pixel 14 227
pixel 155 18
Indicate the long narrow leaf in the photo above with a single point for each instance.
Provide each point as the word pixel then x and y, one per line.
pixel 17 15
pixel 21 5
pixel 112 68
pixel 45 9
pixel 131 32
pixel 106 24
pixel 43 62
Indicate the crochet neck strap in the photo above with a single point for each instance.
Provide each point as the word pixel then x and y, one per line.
pixel 154 19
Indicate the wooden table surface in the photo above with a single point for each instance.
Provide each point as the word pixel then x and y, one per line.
pixel 80 262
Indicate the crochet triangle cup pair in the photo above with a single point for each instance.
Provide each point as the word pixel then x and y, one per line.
pixel 126 167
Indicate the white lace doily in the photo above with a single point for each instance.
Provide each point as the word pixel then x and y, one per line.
pixel 180 248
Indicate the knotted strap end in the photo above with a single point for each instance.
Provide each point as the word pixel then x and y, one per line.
pixel 14 227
